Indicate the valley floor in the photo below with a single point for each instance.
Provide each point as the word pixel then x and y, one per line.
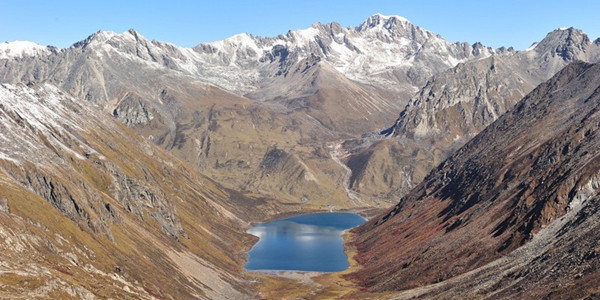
pixel 308 285
pixel 315 285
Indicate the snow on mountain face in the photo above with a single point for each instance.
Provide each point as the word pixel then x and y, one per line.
pixel 16 49
pixel 42 109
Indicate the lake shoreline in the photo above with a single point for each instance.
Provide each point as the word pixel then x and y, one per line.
pixel 302 245
pixel 366 212
pixel 279 284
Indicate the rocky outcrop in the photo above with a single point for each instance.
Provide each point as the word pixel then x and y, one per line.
pixel 144 200
pixel 131 111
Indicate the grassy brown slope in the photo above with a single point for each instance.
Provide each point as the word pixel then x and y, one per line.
pixel 92 208
pixel 493 195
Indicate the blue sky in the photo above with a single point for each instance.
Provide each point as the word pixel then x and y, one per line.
pixel 187 23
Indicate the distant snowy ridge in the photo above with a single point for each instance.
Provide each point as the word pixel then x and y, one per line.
pixel 386 52
pixel 375 52
pixel 16 49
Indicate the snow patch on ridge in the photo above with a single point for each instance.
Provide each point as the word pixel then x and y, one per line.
pixel 35 118
pixel 305 36
pixel 532 46
pixel 16 49
pixel 399 18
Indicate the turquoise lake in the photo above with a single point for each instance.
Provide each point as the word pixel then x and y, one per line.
pixel 311 242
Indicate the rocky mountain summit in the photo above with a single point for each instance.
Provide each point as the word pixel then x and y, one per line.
pixel 518 197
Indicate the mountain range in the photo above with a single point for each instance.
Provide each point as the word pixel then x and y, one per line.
pixel 119 149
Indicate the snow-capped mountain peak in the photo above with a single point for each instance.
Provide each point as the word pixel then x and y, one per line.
pixel 380 48
pixel 18 49
pixel 98 38
pixel 132 33
pixel 304 36
pixel 241 40
pixel 102 38
pixel 379 20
